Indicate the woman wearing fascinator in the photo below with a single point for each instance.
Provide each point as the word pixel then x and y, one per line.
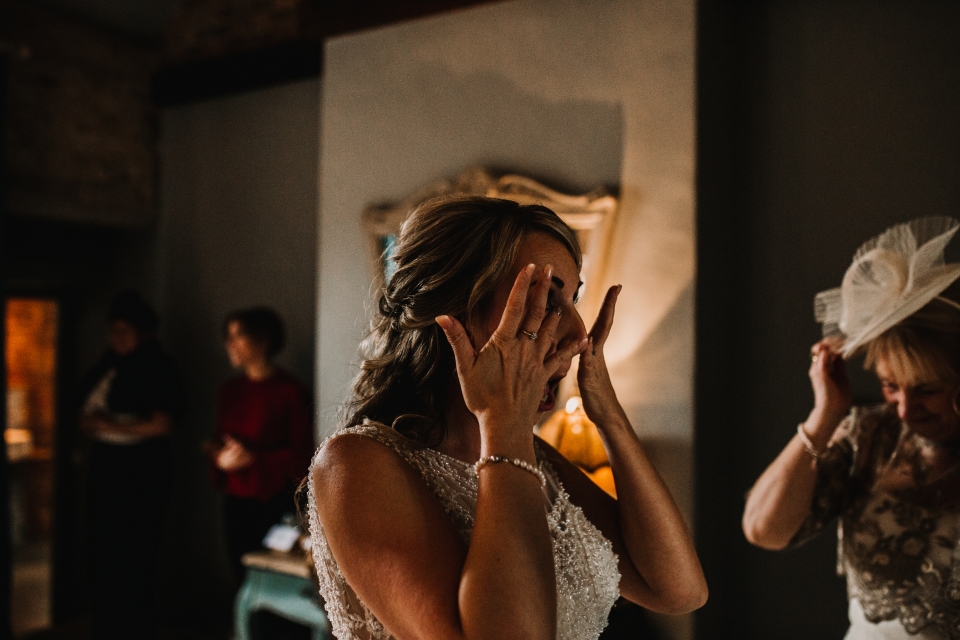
pixel 890 473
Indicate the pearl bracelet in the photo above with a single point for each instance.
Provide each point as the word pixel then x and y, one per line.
pixel 807 443
pixel 517 462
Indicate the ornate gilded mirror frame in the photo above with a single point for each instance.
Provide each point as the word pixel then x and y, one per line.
pixel 590 214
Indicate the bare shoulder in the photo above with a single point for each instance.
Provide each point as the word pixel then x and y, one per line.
pixel 389 534
pixel 347 454
pixel 368 495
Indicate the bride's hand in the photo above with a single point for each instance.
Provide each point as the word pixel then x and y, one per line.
pixel 599 398
pixel 503 381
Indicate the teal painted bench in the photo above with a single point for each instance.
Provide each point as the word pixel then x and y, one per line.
pixel 279 583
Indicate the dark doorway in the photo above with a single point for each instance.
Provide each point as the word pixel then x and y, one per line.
pixel 31 345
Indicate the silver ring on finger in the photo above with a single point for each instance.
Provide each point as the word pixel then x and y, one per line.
pixel 530 334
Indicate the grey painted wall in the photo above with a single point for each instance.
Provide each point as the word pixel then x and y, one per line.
pixel 820 124
pixel 576 94
pixel 238 227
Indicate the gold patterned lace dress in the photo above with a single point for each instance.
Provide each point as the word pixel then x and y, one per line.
pixel 898 549
pixel 586 567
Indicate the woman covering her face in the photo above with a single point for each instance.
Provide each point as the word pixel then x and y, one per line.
pixel 435 511
pixel 889 473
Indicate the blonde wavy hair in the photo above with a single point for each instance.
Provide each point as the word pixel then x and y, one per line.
pixel 923 348
pixel 450 256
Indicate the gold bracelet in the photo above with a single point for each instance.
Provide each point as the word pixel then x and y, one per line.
pixel 807 443
pixel 517 462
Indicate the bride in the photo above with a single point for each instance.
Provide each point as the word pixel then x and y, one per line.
pixel 435 512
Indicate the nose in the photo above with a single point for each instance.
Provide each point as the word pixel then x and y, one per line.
pixel 905 404
pixel 571 326
pixel 902 407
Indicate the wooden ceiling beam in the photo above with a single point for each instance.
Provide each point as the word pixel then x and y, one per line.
pixel 252 62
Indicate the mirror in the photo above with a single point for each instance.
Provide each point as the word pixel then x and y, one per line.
pixel 589 214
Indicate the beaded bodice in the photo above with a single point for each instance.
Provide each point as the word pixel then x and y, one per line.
pixel 899 549
pixel 586 567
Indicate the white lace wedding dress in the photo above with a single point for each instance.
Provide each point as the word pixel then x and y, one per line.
pixel 586 567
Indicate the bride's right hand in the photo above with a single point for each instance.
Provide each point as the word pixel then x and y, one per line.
pixel 503 381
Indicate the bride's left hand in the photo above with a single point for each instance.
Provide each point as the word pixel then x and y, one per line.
pixel 599 398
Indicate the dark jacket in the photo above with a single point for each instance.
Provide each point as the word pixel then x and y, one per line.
pixel 146 382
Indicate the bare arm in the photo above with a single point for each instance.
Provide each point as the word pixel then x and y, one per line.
pixel 509 567
pixel 658 563
pixel 392 540
pixel 780 500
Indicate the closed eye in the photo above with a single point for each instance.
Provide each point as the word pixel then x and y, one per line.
pixel 552 304
pixel 559 284
pixel 927 390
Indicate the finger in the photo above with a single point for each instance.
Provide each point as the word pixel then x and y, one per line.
pixel 552 364
pixel 838 368
pixel 516 305
pixel 601 327
pixel 828 358
pixel 820 362
pixel 536 309
pixel 463 351
pixel 833 343
pixel 548 330
pixel 812 370
pixel 819 355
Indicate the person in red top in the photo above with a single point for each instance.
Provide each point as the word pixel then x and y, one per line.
pixel 264 432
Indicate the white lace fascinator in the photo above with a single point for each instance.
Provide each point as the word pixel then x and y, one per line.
pixel 892 277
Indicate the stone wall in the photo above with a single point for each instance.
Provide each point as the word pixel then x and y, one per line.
pixel 80 129
pixel 206 29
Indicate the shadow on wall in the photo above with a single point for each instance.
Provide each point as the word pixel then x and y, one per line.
pixel 430 126
pixel 653 382
pixel 575 145
pixel 653 385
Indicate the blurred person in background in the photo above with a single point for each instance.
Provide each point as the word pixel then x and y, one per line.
pixel 264 432
pixel 131 399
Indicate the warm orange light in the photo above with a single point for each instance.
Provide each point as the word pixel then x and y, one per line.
pixel 31 336
pixel 574 435
pixel 19 443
